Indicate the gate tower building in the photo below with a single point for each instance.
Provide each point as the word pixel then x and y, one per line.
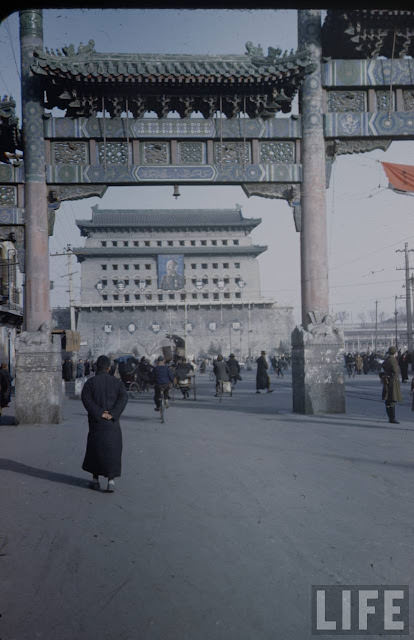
pixel 195 273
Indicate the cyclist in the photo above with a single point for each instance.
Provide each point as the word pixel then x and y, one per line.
pixel 163 378
pixel 183 371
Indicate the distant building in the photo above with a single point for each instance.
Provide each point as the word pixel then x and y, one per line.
pixel 367 337
pixel 148 273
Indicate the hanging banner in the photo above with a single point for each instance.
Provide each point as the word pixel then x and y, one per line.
pixel 400 176
pixel 171 272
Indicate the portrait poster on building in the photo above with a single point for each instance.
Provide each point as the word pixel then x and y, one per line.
pixel 171 272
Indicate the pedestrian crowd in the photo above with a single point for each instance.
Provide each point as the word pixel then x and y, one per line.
pixel 106 381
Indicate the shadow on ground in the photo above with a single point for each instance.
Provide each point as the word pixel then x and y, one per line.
pixel 53 476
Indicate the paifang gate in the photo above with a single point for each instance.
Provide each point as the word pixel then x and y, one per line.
pixel 356 93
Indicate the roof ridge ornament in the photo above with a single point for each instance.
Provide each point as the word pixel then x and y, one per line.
pixel 69 50
pixel 274 54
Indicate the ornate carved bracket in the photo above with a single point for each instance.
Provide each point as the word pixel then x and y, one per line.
pixel 283 191
pixel 341 147
pixel 76 192
pixel 56 195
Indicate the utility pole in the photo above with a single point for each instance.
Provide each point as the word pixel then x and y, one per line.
pixel 396 323
pixel 70 278
pixel 376 326
pixel 68 253
pixel 408 300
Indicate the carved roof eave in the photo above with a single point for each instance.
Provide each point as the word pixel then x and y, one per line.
pixel 169 69
pixel 368 33
pixel 10 134
pixel 87 226
pixel 69 78
pixel 140 252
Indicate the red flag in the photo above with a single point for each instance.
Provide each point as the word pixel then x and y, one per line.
pixel 400 176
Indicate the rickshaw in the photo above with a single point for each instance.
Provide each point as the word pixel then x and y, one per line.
pixel 173 355
pixel 127 367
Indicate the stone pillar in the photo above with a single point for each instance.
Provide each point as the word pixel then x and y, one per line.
pixel 37 281
pixel 38 378
pixel 317 346
pixel 38 358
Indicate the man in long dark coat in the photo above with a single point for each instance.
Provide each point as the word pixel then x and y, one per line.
pixel 221 371
pixel 5 386
pixel 234 369
pixel 391 391
pixel 104 397
pixel 262 377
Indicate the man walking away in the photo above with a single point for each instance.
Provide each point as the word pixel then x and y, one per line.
pixel 221 371
pixel 262 377
pixel 5 386
pixel 391 391
pixel 104 398
pixel 163 379
pixel 234 369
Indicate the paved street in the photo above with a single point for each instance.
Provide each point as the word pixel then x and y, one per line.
pixel 222 520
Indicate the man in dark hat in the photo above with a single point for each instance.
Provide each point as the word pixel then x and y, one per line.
pixel 391 391
pixel 262 376
pixel 5 385
pixel 234 369
pixel 163 379
pixel 104 397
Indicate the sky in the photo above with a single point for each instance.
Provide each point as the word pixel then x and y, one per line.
pixel 368 224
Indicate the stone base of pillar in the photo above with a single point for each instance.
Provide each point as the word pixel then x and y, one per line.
pixel 38 398
pixel 318 368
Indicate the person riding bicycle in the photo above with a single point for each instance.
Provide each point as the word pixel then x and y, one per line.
pixel 183 371
pixel 163 378
pixel 221 371
pixel 144 374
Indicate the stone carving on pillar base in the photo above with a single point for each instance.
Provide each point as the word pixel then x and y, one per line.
pixel 318 366
pixel 38 377
pixel 283 191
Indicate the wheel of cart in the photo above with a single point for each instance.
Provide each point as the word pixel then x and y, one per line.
pixel 134 390
pixel 186 385
pixel 224 388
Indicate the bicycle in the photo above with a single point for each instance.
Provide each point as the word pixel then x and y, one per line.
pixel 164 401
pixel 134 390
